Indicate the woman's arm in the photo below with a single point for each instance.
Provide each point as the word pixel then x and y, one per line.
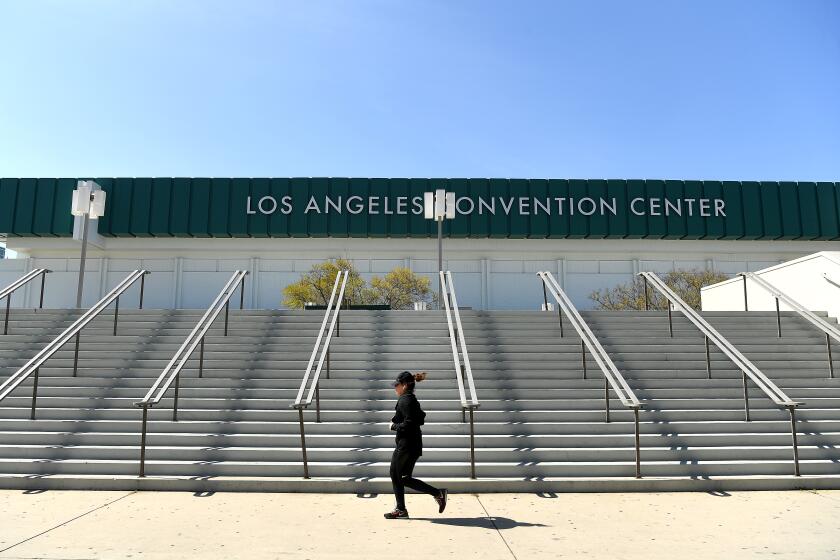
pixel 409 408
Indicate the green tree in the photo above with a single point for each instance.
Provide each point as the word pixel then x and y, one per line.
pixel 400 288
pixel 631 295
pixel 317 284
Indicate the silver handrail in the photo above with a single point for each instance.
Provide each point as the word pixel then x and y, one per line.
pixel 19 283
pixel 33 365
pixel 332 315
pixel 172 372
pixel 830 280
pixel 748 369
pixel 612 377
pixel 461 358
pixel 830 330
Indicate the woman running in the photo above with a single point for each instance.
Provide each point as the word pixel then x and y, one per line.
pixel 406 422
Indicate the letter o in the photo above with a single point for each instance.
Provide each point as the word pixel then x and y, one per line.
pixel 458 205
pixel 273 207
pixel 584 212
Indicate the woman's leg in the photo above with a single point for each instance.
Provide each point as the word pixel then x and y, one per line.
pixel 397 481
pixel 415 483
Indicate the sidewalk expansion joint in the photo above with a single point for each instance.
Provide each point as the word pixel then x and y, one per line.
pixel 62 524
pixel 493 521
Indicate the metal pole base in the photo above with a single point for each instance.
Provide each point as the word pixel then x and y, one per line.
pixel 472 445
pixel 34 394
pixel 143 442
pixel 303 444
pixel 638 450
pixel 792 410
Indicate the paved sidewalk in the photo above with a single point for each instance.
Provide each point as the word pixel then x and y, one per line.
pixel 82 525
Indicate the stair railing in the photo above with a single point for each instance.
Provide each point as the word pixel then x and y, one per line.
pixel 748 369
pixel 19 283
pixel 612 377
pixel 831 280
pixel 172 372
pixel 461 358
pixel 827 328
pixel 33 366
pixel 331 315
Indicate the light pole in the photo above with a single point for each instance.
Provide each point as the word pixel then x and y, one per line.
pixel 439 205
pixel 88 201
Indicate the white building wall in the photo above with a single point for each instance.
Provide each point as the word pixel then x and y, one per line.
pixel 802 279
pixel 488 273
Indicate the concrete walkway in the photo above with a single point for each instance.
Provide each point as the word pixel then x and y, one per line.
pixel 81 525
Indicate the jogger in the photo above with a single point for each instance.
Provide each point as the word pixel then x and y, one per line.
pixel 406 422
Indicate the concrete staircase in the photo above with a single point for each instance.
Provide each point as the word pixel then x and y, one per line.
pixel 540 426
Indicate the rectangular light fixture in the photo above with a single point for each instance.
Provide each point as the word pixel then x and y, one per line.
pixel 429 205
pixel 81 199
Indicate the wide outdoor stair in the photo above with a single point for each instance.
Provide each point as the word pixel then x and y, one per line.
pixel 540 424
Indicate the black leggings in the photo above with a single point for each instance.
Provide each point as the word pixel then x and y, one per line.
pixel 402 465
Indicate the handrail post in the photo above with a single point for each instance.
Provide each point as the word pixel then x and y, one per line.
pixel 227 311
pixel 670 320
pixel 116 314
pixel 607 399
pixel 201 360
pixel 76 355
pixel 638 450
pixel 830 360
pixel 647 301
pixel 744 277
pixel 318 402
pixel 43 280
pixel 463 410
pixel 328 362
pixel 560 317
pixel 175 404
pixel 708 358
pixel 8 304
pixel 746 397
pixel 545 296
pixel 143 441
pixel 242 294
pixel 338 322
pixel 778 318
pixel 792 410
pixel 583 356
pixel 34 393
pixel 303 444
pixel 142 290
pixel 472 444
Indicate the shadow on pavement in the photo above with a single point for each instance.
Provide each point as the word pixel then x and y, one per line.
pixel 482 522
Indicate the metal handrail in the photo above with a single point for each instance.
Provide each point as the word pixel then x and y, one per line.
pixel 830 280
pixel 172 372
pixel 461 358
pixel 748 369
pixel 33 365
pixel 830 330
pixel 19 283
pixel 331 314
pixel 612 377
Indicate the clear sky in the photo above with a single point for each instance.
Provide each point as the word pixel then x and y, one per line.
pixel 435 88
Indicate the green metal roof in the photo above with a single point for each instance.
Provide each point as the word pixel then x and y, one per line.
pixel 360 207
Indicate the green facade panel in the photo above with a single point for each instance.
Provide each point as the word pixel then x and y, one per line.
pixel 219 211
pixel 828 205
pixel 379 207
pixel 161 202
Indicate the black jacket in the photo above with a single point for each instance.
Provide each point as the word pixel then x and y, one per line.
pixel 406 422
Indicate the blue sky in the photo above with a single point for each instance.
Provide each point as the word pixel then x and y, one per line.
pixel 441 88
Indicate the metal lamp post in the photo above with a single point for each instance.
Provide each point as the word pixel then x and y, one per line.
pixel 439 205
pixel 88 201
